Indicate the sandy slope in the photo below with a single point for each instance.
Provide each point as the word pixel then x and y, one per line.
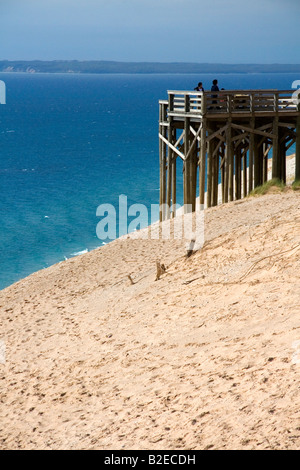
pixel 206 357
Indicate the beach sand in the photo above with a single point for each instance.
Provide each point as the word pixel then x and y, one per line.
pixel 207 357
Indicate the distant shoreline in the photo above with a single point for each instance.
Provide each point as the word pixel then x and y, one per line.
pixel 113 67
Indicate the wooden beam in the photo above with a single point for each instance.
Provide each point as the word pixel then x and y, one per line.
pixel 194 133
pixel 287 133
pixel 266 126
pixel 216 133
pixel 217 148
pixel 180 139
pixel 194 142
pixel 286 124
pixel 239 137
pixel 255 131
pixel 171 146
pixel 267 150
pixel 290 144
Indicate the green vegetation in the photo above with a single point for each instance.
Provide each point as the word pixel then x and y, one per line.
pixel 267 187
pixel 100 66
pixel 296 185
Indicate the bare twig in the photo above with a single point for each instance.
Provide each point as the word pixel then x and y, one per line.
pixel 160 269
pixel 266 257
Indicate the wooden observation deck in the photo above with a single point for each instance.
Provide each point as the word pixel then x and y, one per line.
pixel 227 137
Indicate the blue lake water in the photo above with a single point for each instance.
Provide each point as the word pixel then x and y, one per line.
pixel 72 142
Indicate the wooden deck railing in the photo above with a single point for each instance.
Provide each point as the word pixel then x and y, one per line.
pixel 196 104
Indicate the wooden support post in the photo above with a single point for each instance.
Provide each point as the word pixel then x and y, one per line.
pixel 187 166
pixel 260 163
pixel 215 172
pixel 225 190
pixel 282 155
pixel 275 158
pixel 283 162
pixel 169 177
pixel 297 172
pixel 202 163
pixel 251 156
pixel 170 158
pixel 192 157
pixel 202 152
pixel 160 163
pixel 256 161
pixel 193 176
pixel 245 174
pixel 229 159
pixel 238 173
pixel 265 162
pixel 174 176
pixel 163 153
pixel 231 170
pixel 215 194
pixel 210 152
pixel 223 172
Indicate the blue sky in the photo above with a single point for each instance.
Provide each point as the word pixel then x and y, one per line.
pixel 227 31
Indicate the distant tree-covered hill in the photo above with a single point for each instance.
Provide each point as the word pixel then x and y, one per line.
pixel 75 66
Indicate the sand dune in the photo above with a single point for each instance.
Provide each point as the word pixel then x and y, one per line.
pixel 207 357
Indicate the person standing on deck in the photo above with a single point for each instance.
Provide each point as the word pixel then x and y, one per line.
pixel 199 87
pixel 215 88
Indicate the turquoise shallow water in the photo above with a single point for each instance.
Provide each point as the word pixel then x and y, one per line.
pixel 72 142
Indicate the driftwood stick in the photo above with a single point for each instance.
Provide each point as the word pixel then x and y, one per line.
pixel 160 269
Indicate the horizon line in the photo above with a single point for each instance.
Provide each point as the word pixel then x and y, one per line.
pixel 151 62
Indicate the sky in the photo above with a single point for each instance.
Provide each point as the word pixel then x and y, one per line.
pixel 214 31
